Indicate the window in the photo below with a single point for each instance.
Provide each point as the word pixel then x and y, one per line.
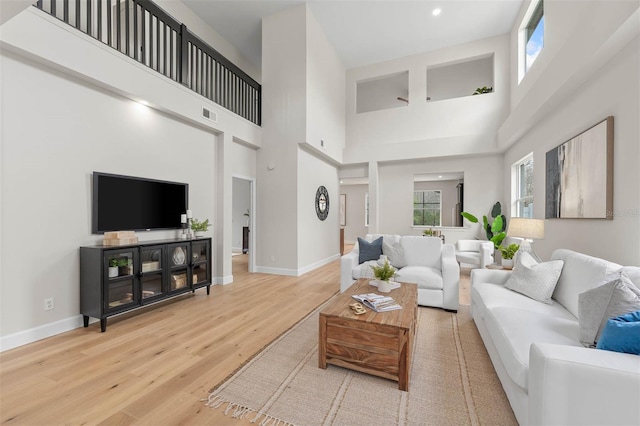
pixel 426 208
pixel 531 36
pixel 366 209
pixel 522 187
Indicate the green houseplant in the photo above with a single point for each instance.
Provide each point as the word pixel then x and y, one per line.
pixel 496 229
pixel 125 266
pixel 507 254
pixel 383 274
pixel 199 227
pixel 482 90
pixel 113 267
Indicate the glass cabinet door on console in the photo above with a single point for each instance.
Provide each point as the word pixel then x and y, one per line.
pixel 178 258
pixel 200 253
pixel 120 289
pixel 152 276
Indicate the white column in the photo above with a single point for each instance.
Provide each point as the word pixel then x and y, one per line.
pixel 223 237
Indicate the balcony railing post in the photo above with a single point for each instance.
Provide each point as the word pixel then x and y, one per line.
pixel 183 55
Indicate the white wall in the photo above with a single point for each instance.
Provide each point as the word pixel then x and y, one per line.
pixel 355 213
pixel 325 91
pixel 303 94
pixel 484 186
pixel 429 129
pixel 382 93
pixel 580 38
pixel 241 205
pixel 318 240
pixel 47 161
pixel 613 90
pixel 459 79
pixel 283 127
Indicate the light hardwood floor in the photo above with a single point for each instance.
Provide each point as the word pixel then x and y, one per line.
pixel 154 366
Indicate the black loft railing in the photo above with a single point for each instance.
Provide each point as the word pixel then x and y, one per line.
pixel 144 32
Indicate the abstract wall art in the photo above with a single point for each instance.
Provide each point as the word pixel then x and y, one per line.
pixel 579 175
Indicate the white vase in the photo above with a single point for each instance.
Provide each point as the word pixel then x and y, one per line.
pixel 507 263
pixel 199 234
pixel 384 286
pixel 113 271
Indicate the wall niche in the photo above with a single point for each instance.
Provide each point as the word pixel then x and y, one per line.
pixel 389 91
pixel 459 78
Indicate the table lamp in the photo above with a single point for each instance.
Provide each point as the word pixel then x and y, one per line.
pixel 528 229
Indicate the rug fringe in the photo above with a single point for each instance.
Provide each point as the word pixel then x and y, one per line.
pixel 237 411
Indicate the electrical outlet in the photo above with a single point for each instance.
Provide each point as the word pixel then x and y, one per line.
pixel 48 304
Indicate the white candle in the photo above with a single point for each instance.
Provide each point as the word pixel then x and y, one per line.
pixel 183 218
pixel 189 214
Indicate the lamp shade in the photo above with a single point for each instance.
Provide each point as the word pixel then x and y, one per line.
pixel 526 228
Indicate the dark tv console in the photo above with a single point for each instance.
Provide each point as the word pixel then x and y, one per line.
pixel 116 279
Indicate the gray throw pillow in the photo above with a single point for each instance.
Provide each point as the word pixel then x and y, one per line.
pixel 395 254
pixel 616 297
pixel 533 279
pixel 369 250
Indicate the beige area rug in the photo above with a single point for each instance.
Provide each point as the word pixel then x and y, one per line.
pixel 452 382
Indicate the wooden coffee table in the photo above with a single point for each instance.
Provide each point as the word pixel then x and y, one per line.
pixel 373 343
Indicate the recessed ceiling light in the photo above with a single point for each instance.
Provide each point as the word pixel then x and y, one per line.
pixel 439 177
pixel 436 12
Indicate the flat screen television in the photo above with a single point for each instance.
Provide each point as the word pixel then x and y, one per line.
pixel 127 203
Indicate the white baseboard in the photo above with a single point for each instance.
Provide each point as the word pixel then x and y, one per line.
pixel 223 280
pixel 318 264
pixel 41 332
pixel 277 271
pixel 296 272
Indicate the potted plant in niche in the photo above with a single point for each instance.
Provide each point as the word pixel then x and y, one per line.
pixel 507 255
pixel 113 267
pixel 482 90
pixel 199 227
pixel 384 273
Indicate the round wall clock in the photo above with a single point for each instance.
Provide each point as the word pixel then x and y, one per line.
pixel 322 203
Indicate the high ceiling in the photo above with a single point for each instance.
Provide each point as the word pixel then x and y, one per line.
pixel 364 31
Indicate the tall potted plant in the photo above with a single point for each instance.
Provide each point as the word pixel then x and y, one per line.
pixel 496 229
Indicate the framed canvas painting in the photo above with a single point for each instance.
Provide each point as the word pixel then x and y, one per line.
pixel 579 175
pixel 343 209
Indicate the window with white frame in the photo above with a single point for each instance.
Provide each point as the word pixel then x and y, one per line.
pixel 531 39
pixel 427 207
pixel 522 187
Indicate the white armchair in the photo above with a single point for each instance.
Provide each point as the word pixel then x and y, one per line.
pixel 424 261
pixel 477 253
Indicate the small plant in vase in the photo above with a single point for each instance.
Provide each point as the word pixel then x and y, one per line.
pixel 199 227
pixel 507 254
pixel 383 274
pixel 113 268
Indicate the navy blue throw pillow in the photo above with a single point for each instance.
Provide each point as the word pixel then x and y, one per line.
pixel 370 250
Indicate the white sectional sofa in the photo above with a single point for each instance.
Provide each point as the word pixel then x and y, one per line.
pixel 425 261
pixel 549 377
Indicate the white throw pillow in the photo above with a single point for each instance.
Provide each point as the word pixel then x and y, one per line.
pixel 617 296
pixel 395 254
pixel 533 279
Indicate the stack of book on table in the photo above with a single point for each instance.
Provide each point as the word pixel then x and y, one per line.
pixel 377 302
